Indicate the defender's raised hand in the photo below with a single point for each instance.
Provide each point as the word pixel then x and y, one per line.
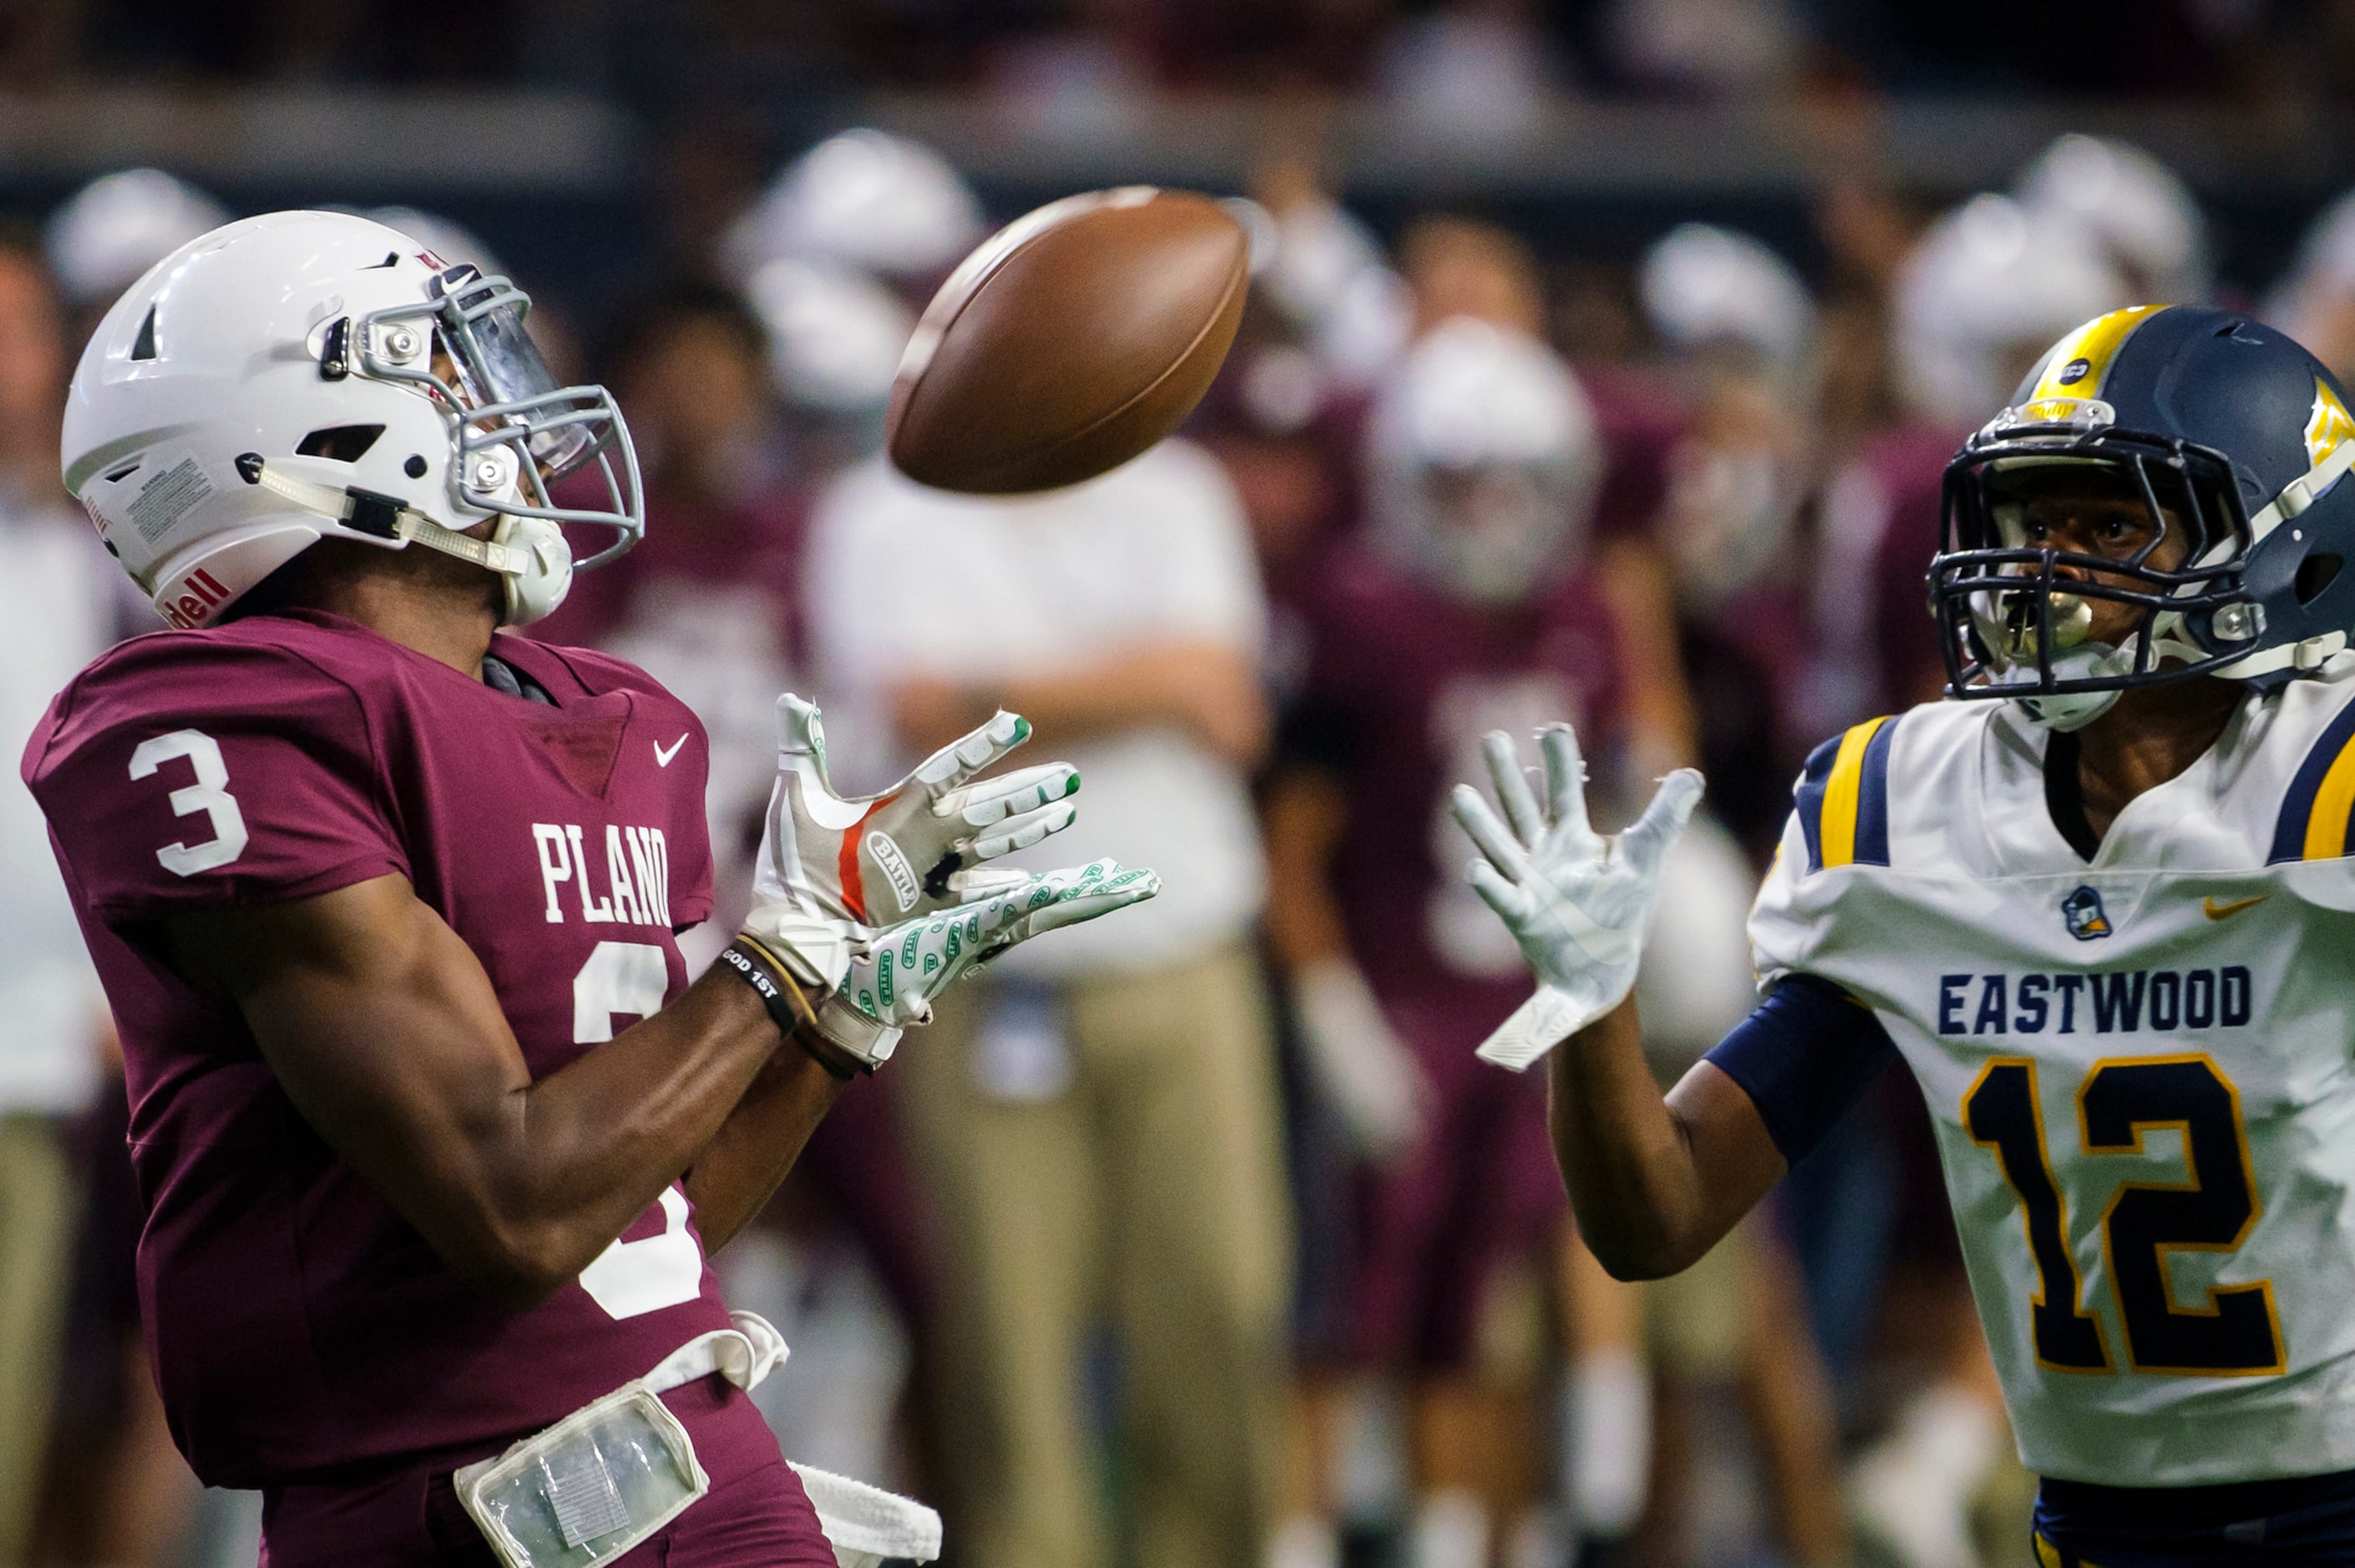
pixel 1578 902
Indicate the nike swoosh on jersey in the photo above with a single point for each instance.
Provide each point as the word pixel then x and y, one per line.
pixel 2215 911
pixel 663 754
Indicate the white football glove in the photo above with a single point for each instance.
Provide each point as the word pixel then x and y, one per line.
pixel 1364 1071
pixel 918 846
pixel 1577 903
pixel 895 973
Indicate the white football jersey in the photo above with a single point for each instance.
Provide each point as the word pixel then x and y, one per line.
pixel 2141 1070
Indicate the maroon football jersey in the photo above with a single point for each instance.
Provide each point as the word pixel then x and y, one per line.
pixel 296 1322
pixel 1404 683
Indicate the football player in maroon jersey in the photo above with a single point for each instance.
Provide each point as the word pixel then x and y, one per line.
pixel 432 1128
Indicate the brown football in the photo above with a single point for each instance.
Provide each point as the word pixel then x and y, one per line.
pixel 1070 341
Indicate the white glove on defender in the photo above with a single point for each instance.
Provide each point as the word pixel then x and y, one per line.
pixel 1577 903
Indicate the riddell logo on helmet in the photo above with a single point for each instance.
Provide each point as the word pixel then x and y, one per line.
pixel 200 595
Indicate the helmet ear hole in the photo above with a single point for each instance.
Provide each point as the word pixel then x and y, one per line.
pixel 2316 573
pixel 343 443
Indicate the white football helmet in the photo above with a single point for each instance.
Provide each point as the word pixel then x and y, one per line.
pixel 1483 461
pixel 1983 291
pixel 446 237
pixel 835 335
pixel 864 199
pixel 1703 284
pixel 304 376
pixel 2143 212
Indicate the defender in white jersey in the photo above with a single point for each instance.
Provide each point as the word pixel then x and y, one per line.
pixel 2100 901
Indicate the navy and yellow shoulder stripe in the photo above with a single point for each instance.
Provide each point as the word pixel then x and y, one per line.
pixel 1843 798
pixel 2320 806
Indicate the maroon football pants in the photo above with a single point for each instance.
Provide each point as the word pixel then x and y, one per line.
pixel 755 1515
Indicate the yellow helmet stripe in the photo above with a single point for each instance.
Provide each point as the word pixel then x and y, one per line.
pixel 2080 362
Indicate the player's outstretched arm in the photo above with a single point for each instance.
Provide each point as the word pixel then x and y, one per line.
pixel 384 1030
pixel 1655 1182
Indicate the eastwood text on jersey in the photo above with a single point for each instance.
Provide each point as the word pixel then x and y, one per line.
pixel 2106 1002
pixel 638 875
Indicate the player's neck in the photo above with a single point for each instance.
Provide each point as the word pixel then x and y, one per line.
pixel 2146 738
pixel 443 608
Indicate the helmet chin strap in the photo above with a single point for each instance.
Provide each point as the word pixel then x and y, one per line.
pixel 529 554
pixel 2069 711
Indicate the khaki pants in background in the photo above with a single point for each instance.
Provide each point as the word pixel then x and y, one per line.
pixel 37 1215
pixel 1147 1191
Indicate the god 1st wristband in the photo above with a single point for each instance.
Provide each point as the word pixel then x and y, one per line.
pixel 788 1009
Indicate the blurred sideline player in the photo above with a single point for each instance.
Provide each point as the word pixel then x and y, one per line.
pixel 1329 276
pixel 1097 1133
pixel 63 614
pixel 1463 604
pixel 369 886
pixel 1737 331
pixel 1481 465
pixel 1452 264
pixel 1457 268
pixel 2096 911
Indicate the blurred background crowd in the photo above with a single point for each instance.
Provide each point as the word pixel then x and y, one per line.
pixel 1603 361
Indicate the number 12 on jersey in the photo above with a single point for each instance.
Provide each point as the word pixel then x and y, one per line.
pixel 2237 1334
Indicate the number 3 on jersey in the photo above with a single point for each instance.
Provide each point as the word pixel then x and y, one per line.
pixel 2237 1333
pixel 206 794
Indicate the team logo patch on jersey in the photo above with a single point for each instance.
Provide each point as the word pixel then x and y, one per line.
pixel 2083 909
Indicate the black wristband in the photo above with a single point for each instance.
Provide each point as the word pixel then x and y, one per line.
pixel 753 965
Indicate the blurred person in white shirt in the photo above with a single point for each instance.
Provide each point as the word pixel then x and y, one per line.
pixel 1097 1128
pixel 61 614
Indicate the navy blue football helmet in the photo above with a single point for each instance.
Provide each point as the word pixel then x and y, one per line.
pixel 2232 437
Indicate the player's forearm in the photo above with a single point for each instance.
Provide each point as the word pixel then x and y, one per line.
pixel 387 1035
pixel 592 1146
pixel 1655 1180
pixel 731 1181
